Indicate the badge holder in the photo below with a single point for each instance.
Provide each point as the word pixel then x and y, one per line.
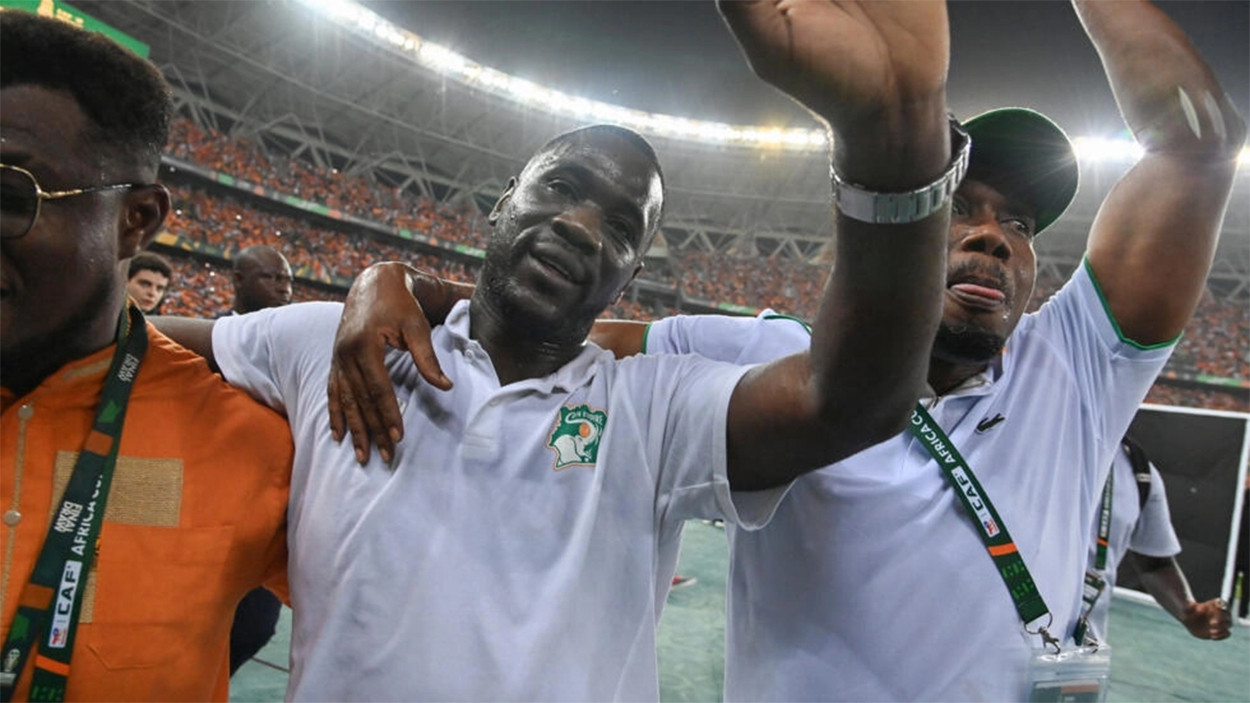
pixel 1077 675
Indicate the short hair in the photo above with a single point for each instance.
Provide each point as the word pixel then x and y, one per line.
pixel 149 261
pixel 123 96
pixel 637 140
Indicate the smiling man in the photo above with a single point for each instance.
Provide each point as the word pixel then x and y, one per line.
pixel 496 560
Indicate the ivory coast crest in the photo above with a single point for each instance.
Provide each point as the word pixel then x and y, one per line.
pixel 576 435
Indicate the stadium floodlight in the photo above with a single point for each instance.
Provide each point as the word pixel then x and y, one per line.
pixel 447 62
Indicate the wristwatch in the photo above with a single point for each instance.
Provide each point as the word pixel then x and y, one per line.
pixel 864 205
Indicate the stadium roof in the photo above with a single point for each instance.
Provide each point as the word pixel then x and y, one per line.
pixel 285 75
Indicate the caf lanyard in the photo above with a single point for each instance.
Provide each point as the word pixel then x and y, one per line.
pixel 50 603
pixel 1104 523
pixel 990 526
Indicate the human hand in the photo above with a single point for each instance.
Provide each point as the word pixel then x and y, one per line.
pixel 849 62
pixel 380 312
pixel 1209 620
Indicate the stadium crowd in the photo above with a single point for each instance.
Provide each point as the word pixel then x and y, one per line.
pixel 1215 343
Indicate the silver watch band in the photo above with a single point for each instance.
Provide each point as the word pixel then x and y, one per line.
pixel 864 205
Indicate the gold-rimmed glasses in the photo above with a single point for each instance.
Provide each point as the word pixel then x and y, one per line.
pixel 21 199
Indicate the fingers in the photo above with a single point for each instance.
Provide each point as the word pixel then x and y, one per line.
pixel 370 385
pixel 1210 620
pixel 355 422
pixel 415 336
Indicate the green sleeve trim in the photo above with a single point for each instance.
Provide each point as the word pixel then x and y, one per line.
pixel 646 334
pixel 1116 325
pixel 777 316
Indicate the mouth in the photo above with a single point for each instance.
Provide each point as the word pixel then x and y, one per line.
pixel 978 289
pixel 556 262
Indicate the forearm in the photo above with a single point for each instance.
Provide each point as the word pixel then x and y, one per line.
pixel 881 306
pixel 1167 94
pixel 870 341
pixel 194 334
pixel 1163 579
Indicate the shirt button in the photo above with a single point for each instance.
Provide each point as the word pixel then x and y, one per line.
pixel 26 411
pixel 12 517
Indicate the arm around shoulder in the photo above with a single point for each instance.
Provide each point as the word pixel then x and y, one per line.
pixel 194 334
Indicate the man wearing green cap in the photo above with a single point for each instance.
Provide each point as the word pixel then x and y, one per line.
pixel 939 564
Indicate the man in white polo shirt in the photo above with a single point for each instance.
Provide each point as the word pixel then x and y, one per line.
pixel 872 582
pixel 521 541
pixel 1133 522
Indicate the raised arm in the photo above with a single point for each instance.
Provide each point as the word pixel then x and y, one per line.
pixel 1160 223
pixel 875 72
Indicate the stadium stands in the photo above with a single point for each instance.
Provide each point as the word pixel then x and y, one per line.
pixel 1211 366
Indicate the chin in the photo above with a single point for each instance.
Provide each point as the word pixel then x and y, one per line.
pixel 967 344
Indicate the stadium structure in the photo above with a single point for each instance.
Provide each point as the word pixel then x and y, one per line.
pixel 335 86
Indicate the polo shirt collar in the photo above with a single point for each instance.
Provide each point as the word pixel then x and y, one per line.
pixel 979 384
pixel 575 374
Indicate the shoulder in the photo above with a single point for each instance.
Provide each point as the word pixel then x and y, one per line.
pixel 182 378
pixel 743 340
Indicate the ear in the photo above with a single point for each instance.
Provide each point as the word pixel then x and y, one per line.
pixel 637 270
pixel 493 217
pixel 142 215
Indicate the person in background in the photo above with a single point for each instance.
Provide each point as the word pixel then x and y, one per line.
pixel 1134 523
pixel 262 279
pixel 147 280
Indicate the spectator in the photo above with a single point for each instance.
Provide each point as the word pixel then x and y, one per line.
pixel 147 280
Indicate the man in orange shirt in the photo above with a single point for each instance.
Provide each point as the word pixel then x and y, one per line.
pixel 120 586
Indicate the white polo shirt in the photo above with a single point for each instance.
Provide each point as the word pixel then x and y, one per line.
pixel 871 582
pixel 523 543
pixel 1145 529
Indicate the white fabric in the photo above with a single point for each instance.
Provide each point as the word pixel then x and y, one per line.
pixel 474 570
pixel 1144 529
pixel 871 582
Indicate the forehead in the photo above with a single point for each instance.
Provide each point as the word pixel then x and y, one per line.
pixel 150 275
pixel 611 161
pixel 43 131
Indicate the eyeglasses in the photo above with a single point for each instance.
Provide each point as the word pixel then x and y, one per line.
pixel 21 199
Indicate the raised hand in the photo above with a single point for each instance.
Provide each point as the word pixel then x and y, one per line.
pixel 849 62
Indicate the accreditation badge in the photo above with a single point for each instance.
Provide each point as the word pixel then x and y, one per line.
pixel 1076 675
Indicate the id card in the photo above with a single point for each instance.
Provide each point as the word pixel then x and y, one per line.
pixel 1078 675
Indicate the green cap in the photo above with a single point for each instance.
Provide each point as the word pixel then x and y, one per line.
pixel 1023 152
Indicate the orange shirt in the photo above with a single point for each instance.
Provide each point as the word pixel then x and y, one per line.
pixel 196 518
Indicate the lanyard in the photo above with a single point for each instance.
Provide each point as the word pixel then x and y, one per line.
pixel 1104 523
pixel 50 603
pixel 990 526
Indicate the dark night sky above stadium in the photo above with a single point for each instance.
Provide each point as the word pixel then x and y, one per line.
pixel 677 57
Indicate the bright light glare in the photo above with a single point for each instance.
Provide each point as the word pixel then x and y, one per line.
pixel 442 59
pixel 1095 149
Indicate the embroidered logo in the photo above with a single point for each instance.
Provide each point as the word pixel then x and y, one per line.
pixel 986 423
pixel 575 437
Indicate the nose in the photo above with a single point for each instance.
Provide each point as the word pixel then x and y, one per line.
pixel 985 236
pixel 580 227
